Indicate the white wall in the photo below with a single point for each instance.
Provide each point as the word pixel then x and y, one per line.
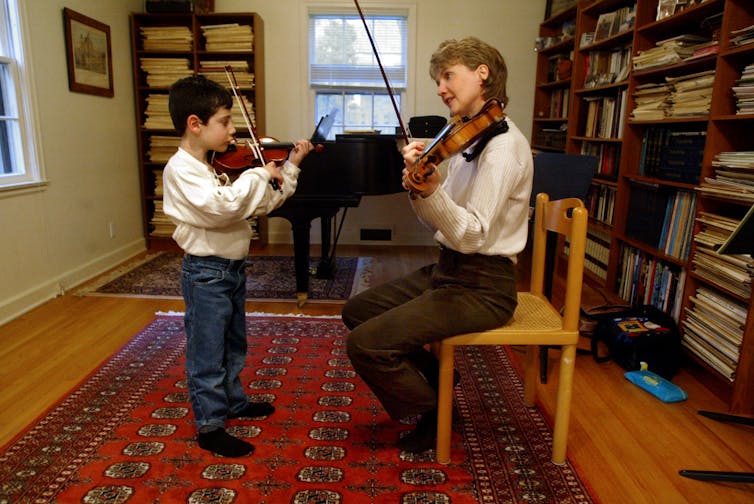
pixel 58 236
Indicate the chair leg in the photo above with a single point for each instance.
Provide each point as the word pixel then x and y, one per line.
pixel 563 404
pixel 530 375
pixel 444 404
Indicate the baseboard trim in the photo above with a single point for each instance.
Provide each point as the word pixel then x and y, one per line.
pixel 25 301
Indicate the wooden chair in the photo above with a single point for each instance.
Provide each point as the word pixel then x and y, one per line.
pixel 535 322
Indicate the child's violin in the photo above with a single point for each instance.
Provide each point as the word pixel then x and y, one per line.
pixel 457 135
pixel 241 156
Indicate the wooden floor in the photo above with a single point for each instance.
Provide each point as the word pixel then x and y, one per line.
pixel 626 444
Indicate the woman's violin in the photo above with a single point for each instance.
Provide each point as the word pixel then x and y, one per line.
pixel 457 135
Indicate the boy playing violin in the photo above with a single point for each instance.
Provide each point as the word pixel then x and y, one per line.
pixel 478 215
pixel 210 215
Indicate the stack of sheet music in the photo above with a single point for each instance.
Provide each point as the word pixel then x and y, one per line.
pixel 652 101
pixel 166 38
pixel 215 70
pixel 161 148
pixel 157 115
pixel 734 176
pixel 691 94
pixel 668 51
pixel 228 37
pixel 163 72
pixel 744 91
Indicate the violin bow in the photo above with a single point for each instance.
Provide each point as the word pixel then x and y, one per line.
pixel 384 75
pixel 253 144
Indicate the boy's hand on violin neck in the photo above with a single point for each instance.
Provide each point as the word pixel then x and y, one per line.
pixel 300 150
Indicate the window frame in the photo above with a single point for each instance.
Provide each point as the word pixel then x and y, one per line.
pixel 403 8
pixel 16 43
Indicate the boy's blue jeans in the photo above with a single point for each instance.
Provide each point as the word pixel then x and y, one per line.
pixel 214 291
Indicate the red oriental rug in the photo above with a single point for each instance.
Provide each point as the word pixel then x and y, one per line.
pixel 126 434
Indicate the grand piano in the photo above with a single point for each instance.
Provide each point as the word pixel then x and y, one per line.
pixel 336 178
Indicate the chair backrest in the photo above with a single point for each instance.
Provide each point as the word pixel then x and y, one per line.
pixel 567 217
pixel 562 175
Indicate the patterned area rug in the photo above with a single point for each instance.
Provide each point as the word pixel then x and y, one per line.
pixel 268 278
pixel 126 434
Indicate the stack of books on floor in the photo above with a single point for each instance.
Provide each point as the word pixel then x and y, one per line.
pixel 228 37
pixel 713 330
pixel 691 94
pixel 743 91
pixel 157 115
pixel 734 176
pixel 166 38
pixel 163 72
pixel 743 36
pixel 161 148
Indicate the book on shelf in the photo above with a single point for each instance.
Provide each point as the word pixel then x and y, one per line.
pixel 742 36
pixel 604 28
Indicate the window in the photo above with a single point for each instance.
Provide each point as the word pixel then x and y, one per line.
pixel 18 160
pixel 344 73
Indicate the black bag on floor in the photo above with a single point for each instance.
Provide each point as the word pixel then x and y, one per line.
pixel 641 334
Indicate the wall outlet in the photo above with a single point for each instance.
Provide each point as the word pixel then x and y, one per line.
pixel 111 229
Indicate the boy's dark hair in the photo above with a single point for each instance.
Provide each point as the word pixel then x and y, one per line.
pixel 196 95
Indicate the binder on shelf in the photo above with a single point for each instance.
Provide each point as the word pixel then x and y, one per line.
pixel 741 241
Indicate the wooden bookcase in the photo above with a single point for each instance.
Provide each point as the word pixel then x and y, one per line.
pixel 552 93
pixel 648 258
pixel 156 64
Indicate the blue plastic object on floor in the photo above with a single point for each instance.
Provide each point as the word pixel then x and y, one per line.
pixel 656 385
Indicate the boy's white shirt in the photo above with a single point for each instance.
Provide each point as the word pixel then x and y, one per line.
pixel 210 213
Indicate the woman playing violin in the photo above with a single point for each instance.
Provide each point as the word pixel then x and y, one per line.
pixel 478 215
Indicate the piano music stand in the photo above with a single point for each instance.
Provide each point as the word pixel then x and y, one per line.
pixel 740 241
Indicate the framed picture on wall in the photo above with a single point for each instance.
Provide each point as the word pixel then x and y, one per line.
pixel 89 54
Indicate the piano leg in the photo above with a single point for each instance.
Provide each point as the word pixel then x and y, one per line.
pixel 301 229
pixel 326 266
pixel 301 223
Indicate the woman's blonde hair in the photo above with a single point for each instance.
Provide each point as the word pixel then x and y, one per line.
pixel 472 52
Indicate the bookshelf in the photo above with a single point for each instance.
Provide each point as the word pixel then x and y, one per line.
pixel 166 47
pixel 552 94
pixel 672 132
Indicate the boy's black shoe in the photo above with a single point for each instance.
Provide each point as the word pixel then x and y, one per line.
pixel 255 409
pixel 424 435
pixel 220 442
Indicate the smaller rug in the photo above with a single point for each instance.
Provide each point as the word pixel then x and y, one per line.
pixel 269 278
